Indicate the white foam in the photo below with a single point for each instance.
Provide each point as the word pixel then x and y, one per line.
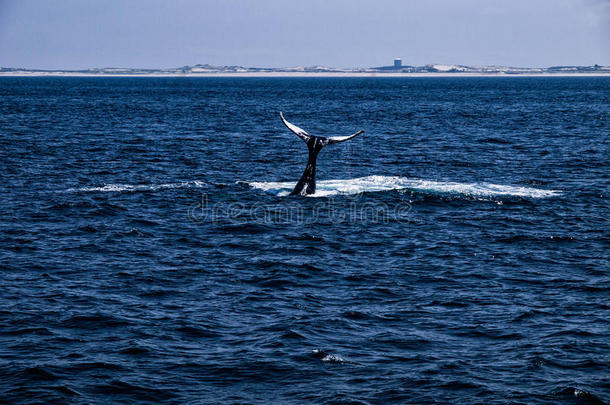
pixel 117 188
pixel 326 188
pixel 333 358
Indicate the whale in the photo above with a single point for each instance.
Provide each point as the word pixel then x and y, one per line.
pixel 307 183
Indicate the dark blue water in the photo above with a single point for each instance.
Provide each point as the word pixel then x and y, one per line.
pixel 147 254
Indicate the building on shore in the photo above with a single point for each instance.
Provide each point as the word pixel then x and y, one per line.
pixel 397 66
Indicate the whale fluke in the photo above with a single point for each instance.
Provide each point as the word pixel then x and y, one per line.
pixel 337 139
pixel 300 132
pixel 307 183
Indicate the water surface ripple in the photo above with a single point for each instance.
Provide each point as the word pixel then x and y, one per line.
pixel 458 252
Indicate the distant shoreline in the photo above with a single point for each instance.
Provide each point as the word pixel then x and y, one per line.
pixel 301 74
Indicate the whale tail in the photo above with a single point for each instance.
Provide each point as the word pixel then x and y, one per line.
pixel 307 183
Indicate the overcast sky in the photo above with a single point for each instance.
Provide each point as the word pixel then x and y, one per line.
pixel 75 34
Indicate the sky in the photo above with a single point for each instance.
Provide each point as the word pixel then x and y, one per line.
pixel 79 34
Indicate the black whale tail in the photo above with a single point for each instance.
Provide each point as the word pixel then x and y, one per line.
pixel 307 183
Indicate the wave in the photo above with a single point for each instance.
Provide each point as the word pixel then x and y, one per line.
pixel 330 358
pixel 117 188
pixel 581 395
pixel 327 188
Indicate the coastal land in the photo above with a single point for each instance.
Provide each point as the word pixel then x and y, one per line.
pixel 434 70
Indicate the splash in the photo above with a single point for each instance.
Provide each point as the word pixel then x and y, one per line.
pixel 118 188
pixel 327 188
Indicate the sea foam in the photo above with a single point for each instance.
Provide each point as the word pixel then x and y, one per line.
pixel 117 188
pixel 327 188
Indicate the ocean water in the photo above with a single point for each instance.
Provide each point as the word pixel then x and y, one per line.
pixel 457 252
